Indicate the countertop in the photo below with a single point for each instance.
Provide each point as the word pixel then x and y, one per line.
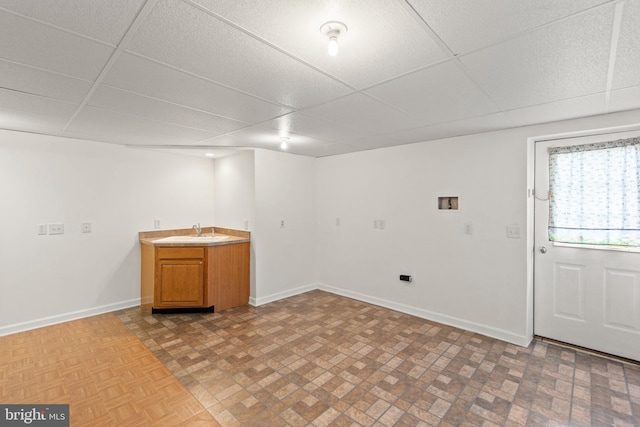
pixel 211 236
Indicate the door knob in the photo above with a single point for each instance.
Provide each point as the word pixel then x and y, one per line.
pixel 542 250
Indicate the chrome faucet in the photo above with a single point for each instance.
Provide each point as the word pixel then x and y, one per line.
pixel 198 229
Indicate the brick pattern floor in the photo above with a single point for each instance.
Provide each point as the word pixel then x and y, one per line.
pixel 321 359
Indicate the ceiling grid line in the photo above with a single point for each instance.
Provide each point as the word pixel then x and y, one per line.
pixel 266 42
pixel 206 79
pixel 34 67
pixel 539 27
pixel 164 101
pixel 406 4
pixel 205 73
pixel 56 27
pixel 148 5
pixel 613 52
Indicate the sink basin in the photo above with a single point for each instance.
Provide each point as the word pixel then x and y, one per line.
pixel 191 239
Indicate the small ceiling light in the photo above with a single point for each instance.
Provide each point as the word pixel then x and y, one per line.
pixel 333 29
pixel 284 145
pixel 210 155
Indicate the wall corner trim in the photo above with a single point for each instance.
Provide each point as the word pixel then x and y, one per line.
pixel 66 317
pixel 285 294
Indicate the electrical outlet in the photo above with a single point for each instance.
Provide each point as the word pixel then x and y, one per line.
pixel 382 224
pixel 468 228
pixel 513 231
pixel 282 223
pixel 246 224
pixel 56 228
pixel 337 222
pixel 375 224
pixel 157 224
pixel 42 229
pixel 86 227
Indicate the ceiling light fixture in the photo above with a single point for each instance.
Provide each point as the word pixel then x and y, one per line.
pixel 284 145
pixel 210 155
pixel 333 29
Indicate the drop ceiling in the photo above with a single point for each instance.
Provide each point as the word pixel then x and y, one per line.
pixel 211 73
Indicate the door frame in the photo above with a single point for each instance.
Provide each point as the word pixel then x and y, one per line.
pixel 530 238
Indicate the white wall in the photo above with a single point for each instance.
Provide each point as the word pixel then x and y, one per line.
pixel 478 281
pixel 475 281
pixel 46 279
pixel 285 190
pixel 469 277
pixel 235 190
pixel 234 201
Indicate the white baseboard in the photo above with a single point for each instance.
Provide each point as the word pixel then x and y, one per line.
pixel 280 295
pixel 489 331
pixel 74 315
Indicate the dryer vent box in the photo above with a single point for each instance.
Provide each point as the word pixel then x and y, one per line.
pixel 448 203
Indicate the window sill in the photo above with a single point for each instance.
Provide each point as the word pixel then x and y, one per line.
pixel 598 247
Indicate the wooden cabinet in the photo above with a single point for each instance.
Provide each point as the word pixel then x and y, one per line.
pixel 181 276
pixel 187 277
pixel 229 268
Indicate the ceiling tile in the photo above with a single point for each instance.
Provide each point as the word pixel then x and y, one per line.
pixel 330 150
pixel 30 122
pixel 36 104
pixel 303 124
pixel 120 101
pixel 188 38
pixel 561 110
pixel 194 152
pixel 441 93
pixel 102 125
pixel 470 126
pixel 364 114
pixel 377 31
pixel 465 25
pixel 102 20
pixel 267 137
pixel 31 80
pixel 375 142
pixel 54 50
pixel 563 61
pixel 628 51
pixel 146 77
pixel 624 99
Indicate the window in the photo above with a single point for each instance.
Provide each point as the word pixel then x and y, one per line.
pixel 594 193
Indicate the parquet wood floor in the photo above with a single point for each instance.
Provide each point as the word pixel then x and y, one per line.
pixel 102 370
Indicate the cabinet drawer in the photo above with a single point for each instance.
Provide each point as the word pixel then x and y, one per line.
pixel 180 253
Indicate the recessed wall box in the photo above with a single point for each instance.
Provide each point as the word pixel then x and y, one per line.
pixel 448 203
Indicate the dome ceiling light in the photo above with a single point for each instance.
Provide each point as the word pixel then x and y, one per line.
pixel 333 29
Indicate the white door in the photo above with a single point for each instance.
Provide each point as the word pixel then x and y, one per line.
pixel 586 296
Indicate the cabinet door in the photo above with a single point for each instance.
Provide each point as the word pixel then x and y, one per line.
pixel 229 273
pixel 180 283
